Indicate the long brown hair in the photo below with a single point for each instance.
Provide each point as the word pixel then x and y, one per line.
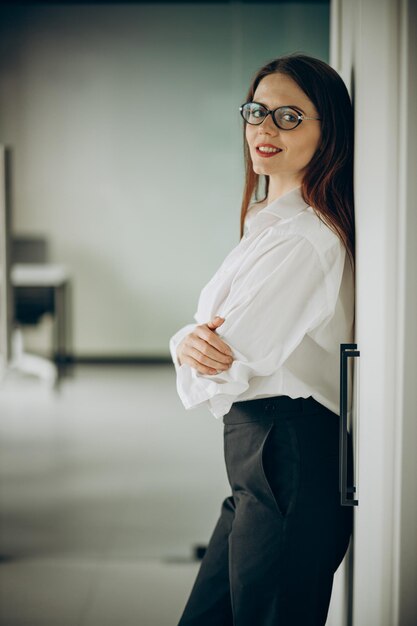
pixel 327 185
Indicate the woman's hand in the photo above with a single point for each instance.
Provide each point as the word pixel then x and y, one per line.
pixel 204 350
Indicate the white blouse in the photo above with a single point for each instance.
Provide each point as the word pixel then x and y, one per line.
pixel 286 292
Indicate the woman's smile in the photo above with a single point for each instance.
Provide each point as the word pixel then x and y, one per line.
pixel 267 150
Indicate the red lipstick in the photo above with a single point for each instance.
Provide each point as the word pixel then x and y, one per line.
pixel 272 150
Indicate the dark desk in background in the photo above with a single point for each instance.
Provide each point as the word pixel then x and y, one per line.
pixel 44 288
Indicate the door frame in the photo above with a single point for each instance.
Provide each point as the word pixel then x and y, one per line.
pixel 372 48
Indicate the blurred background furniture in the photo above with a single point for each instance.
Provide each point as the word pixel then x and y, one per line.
pixel 6 289
pixel 30 287
pixel 41 288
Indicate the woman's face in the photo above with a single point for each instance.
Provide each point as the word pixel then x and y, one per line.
pixel 298 145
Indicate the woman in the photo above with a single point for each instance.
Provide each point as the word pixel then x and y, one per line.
pixel 267 361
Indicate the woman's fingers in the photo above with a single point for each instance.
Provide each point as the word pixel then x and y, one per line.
pixel 200 351
pixel 203 369
pixel 210 346
pixel 204 350
pixel 210 336
pixel 207 354
pixel 214 323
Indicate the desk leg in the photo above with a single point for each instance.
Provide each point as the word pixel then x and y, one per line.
pixel 62 317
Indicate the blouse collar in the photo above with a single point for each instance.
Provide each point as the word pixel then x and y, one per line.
pixel 288 205
pixel 284 208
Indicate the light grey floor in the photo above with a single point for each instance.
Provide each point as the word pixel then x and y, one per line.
pixel 105 486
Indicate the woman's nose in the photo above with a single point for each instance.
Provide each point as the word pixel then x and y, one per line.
pixel 268 125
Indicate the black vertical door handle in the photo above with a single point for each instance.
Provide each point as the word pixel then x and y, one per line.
pixel 346 491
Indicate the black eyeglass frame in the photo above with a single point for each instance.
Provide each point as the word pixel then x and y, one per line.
pixel 300 116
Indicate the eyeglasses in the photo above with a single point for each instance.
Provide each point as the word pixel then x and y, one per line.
pixel 285 118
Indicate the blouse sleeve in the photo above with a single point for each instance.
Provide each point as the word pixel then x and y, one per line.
pixel 278 295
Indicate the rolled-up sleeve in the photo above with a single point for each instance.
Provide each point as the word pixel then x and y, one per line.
pixel 278 295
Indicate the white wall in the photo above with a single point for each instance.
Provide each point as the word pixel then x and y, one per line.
pixel 405 569
pixel 377 48
pixel 121 156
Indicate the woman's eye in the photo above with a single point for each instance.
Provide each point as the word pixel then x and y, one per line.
pixel 257 113
pixel 289 117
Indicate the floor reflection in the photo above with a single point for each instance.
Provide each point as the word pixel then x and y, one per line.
pixel 106 488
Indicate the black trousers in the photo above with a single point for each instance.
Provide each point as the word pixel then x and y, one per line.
pixel 282 533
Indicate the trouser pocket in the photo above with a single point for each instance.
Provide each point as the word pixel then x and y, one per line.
pixel 262 463
pixel 279 463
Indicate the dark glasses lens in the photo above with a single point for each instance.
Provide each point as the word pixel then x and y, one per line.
pixel 253 113
pixel 285 117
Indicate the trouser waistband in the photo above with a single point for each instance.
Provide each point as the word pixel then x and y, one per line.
pixel 272 407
